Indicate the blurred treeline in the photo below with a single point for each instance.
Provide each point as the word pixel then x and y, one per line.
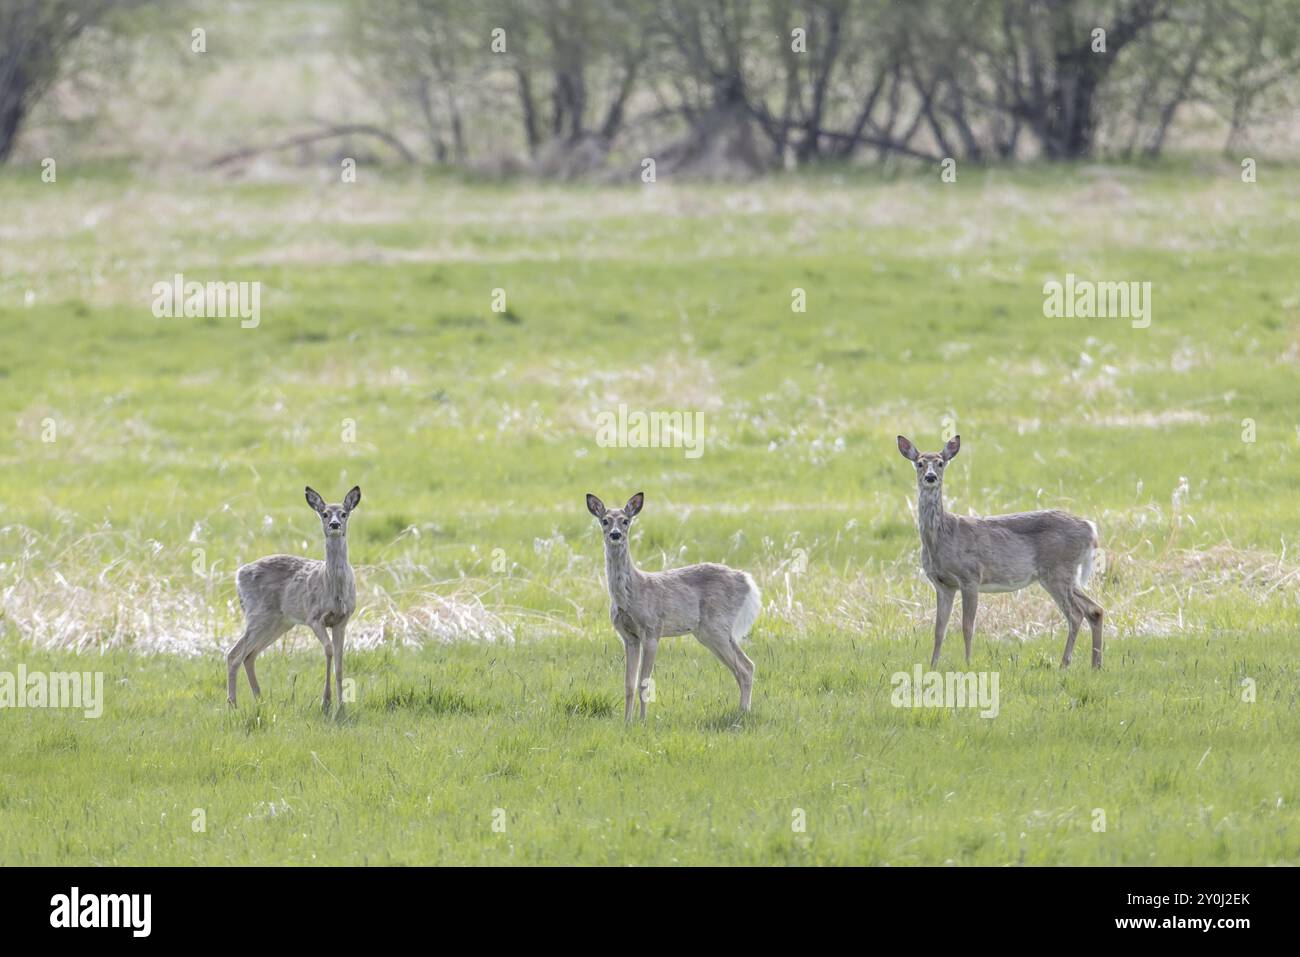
pixel 574 87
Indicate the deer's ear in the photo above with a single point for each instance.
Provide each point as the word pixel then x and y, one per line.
pixel 634 504
pixel 353 498
pixel 952 448
pixel 907 448
pixel 314 499
pixel 595 506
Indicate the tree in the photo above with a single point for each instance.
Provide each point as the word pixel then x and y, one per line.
pixel 35 37
pixel 1046 65
pixel 1258 52
pixel 744 85
pixel 421 55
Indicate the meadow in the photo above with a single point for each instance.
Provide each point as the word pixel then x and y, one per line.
pixel 146 458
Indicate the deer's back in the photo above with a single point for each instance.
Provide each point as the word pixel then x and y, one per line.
pixel 1054 534
pixel 689 594
pixel 279 584
pixel 717 581
pixel 1007 552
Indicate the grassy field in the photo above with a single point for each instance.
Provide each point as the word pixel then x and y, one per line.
pixel 146 458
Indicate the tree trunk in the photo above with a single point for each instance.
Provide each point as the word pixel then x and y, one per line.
pixel 1180 95
pixel 13 103
pixel 614 115
pixel 810 146
pixel 11 118
pixel 529 110
pixel 1066 121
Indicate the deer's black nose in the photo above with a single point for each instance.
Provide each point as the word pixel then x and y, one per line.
pixel 615 536
pixel 335 525
pixel 931 478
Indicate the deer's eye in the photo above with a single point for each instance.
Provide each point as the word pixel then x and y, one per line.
pixel 604 521
pixel 624 521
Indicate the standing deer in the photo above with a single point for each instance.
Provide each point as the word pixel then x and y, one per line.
pixel 715 603
pixel 1001 553
pixel 284 590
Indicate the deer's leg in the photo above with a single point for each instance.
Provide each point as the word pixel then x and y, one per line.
pixel 339 632
pixel 747 667
pixel 1094 613
pixel 1062 594
pixel 265 633
pixel 970 601
pixel 324 639
pixel 257 643
pixel 235 658
pixel 633 649
pixel 941 614
pixel 720 643
pixel 647 671
pixel 252 673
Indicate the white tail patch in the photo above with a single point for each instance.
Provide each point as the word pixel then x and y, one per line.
pixel 748 613
pixel 1085 567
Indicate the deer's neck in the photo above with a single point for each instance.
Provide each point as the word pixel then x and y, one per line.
pixel 930 516
pixel 623 576
pixel 338 573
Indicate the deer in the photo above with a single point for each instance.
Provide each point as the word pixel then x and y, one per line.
pixel 715 603
pixel 1001 553
pixel 282 591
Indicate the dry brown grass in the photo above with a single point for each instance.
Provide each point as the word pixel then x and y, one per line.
pixel 78 602
pixel 74 606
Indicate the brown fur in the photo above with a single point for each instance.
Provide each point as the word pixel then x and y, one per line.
pixel 282 591
pixel 1000 553
pixel 715 603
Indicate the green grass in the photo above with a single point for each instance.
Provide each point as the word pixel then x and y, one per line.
pixel 182 446
pixel 1162 743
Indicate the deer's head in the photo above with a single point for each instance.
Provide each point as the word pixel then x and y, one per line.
pixel 929 465
pixel 334 518
pixel 615 524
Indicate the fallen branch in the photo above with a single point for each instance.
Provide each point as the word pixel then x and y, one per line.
pixel 361 129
